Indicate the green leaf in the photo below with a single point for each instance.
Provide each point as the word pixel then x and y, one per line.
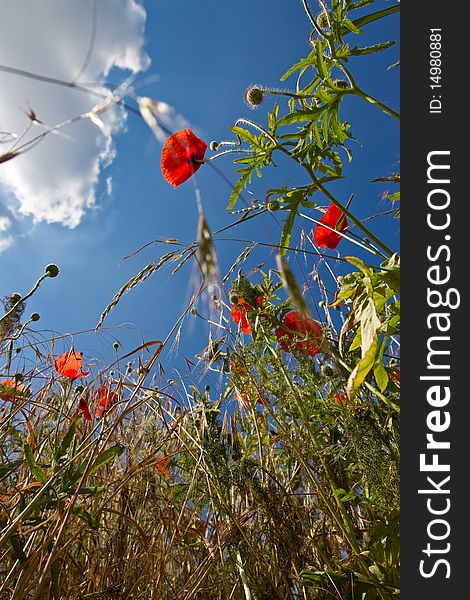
pixel 351 26
pixel 362 368
pixel 357 341
pixel 371 49
pixel 321 64
pixel 36 471
pixel 67 440
pixel 380 375
pixel 301 65
pixel 287 232
pixel 106 456
pixel 357 262
pixel 237 190
pixel 298 116
pixel 380 14
pixel 86 516
pixel 92 490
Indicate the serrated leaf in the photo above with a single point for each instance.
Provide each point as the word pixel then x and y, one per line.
pixel 371 49
pixel 302 64
pixel 299 116
pixel 321 64
pixel 35 469
pixel 106 456
pixel 237 190
pixel 67 440
pixel 351 26
pixel 371 17
pixel 287 232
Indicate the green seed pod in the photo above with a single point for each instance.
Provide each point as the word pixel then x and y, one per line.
pixel 35 317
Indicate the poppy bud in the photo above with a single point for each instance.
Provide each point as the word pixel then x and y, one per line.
pixel 273 205
pixel 214 146
pixel 208 388
pixel 115 345
pixel 18 376
pixel 234 299
pixel 254 96
pixel 34 317
pixel 341 83
pixel 79 389
pixel 323 21
pixel 327 370
pixel 52 270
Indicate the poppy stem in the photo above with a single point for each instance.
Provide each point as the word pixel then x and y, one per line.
pixel 23 298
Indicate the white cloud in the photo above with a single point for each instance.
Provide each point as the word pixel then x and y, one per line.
pixel 6 240
pixel 56 180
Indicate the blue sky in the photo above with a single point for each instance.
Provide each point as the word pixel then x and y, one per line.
pixel 202 58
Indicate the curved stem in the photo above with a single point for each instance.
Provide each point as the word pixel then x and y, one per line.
pixel 355 89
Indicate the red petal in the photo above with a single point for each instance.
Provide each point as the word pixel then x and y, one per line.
pixel 69 365
pixel 181 156
pixel 83 406
pixel 306 328
pixel 238 312
pixel 324 237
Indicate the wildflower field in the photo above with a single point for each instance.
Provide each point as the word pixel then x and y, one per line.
pixel 266 466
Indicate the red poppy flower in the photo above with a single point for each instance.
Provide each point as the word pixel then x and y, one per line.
pixel 162 466
pixel 13 388
pixel 335 219
pixel 182 155
pixel 83 406
pixel 106 398
pixel 339 398
pixel 69 365
pixel 238 312
pixel 309 334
